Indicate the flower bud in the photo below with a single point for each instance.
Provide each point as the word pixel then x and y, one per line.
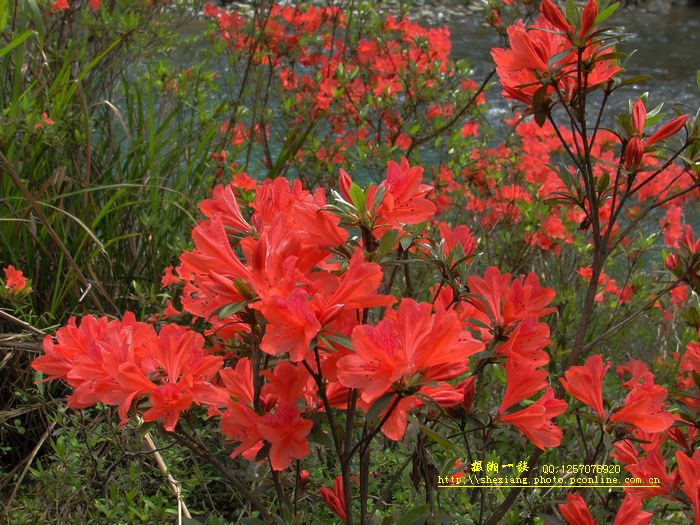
pixel 672 262
pixel 304 477
pixel 634 152
pixel 555 17
pixel 590 12
pixel 639 116
pixel 668 130
pixel 344 181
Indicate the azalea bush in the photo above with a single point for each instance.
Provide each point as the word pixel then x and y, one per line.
pixel 375 299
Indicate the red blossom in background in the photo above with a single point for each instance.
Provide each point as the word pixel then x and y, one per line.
pixel 15 281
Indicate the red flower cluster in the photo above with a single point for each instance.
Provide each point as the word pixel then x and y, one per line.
pixel 544 56
pixel 119 362
pixel 506 312
pixel 410 352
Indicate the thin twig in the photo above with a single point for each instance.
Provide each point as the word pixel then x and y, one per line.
pixel 172 482
pixel 24 324
pixel 29 462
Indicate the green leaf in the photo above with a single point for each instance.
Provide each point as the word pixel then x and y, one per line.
pixel 557 57
pixel 692 316
pixel 697 79
pixel 606 13
pixel 378 198
pixel 539 106
pixel 416 516
pixel 406 243
pixel 320 437
pixel 571 12
pixel 263 452
pixel 551 520
pixel 37 18
pixel 104 53
pixel 231 309
pixel 4 14
pixel 358 197
pixel 440 440
pixel 15 42
pixel 638 79
pixel 386 243
pixel 379 406
pixel 603 182
pixel 339 340
pixel 243 288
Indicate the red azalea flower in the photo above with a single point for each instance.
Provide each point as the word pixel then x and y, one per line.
pixel 631 513
pixel 585 383
pixel 404 199
pixel 634 150
pixel 291 326
pixel 535 421
pixel 104 361
pixel 286 432
pixel 409 347
pixel 185 375
pixel 523 380
pixel 15 281
pixel 168 277
pixel 644 408
pixel 555 16
pixel 527 342
pixel 522 67
pixel 689 471
pixel 223 202
pixel 355 289
pixel 575 511
pixel 505 302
